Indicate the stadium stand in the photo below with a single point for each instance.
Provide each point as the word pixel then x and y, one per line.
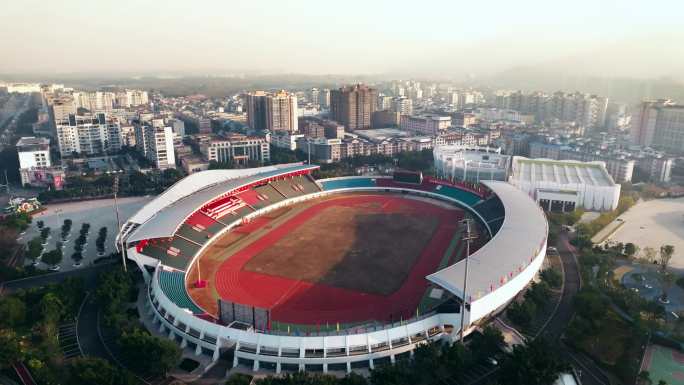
pixel 268 195
pixel 222 207
pixel 467 197
pixel 492 210
pixel 347 183
pixel 172 284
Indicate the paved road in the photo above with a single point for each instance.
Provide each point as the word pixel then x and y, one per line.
pixel 591 374
pixel 88 273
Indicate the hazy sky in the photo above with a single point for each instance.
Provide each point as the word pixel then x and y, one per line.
pixel 619 38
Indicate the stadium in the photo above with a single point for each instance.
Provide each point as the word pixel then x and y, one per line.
pixel 290 273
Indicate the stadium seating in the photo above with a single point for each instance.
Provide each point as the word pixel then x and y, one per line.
pixel 196 233
pixel 466 197
pixel 268 194
pixel 492 210
pixel 348 183
pixel 172 284
pixel 222 207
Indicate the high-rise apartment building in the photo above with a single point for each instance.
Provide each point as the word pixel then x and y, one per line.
pixel 88 134
pixel 353 106
pixel 402 105
pixel 659 124
pixel 324 98
pixel 155 142
pixel 272 112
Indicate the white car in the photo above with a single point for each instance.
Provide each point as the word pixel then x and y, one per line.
pixel 55 268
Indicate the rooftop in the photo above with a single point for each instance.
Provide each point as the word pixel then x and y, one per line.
pixel 561 172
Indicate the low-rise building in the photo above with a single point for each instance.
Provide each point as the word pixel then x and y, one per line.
pixel 565 185
pixel 236 149
pixel 425 124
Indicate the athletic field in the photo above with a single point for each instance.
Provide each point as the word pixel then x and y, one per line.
pixel 664 364
pixel 347 258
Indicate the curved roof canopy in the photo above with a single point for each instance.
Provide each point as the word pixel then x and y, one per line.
pixel 161 217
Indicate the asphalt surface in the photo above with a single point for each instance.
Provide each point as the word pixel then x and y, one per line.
pixel 88 273
pixel 590 373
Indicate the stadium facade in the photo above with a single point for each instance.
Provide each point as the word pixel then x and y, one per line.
pixel 162 238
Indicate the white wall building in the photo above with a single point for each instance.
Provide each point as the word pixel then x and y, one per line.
pixel 425 124
pixel 88 134
pixel 564 185
pixel 156 144
pixel 471 163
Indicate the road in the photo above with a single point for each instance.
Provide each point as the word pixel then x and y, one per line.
pixel 89 275
pixel 590 373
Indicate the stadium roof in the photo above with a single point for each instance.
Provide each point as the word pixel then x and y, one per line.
pixel 520 238
pixel 161 217
pixel 561 172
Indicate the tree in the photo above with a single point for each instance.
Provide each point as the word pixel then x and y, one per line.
pixel 522 313
pixel 649 254
pixel 45 233
pixel 51 308
pixel 10 350
pixel 644 378
pixel 34 248
pixel 95 371
pixel 53 257
pixel 12 311
pixel 552 277
pixel 666 253
pixel 487 344
pixel 148 354
pixel 239 379
pixel 631 249
pixel 40 224
pixel 535 363
pixel 77 257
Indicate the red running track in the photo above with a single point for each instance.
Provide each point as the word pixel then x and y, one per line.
pixel 302 302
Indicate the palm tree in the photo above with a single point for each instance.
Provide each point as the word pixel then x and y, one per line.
pixel 667 278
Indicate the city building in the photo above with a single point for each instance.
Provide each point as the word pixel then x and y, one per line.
pixel 192 164
pixel 35 164
pixel 239 150
pixel 88 134
pixel 425 124
pixel 566 185
pixel 353 106
pixel 402 105
pixel 284 139
pixel 272 111
pixel 471 164
pixel 34 152
pixel 156 143
pixel 386 118
pixel 660 124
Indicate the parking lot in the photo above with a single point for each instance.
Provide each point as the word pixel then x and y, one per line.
pixel 98 213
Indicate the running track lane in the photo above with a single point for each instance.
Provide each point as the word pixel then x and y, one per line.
pixel 302 302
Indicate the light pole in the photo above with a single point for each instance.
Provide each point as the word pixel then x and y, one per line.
pixel 118 221
pixel 467 237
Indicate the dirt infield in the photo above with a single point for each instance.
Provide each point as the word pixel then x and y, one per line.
pixel 344 258
pixel 346 246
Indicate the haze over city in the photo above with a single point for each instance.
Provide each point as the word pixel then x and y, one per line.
pixel 439 39
pixel 355 192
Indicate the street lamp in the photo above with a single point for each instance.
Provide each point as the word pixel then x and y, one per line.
pixel 467 237
pixel 118 221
